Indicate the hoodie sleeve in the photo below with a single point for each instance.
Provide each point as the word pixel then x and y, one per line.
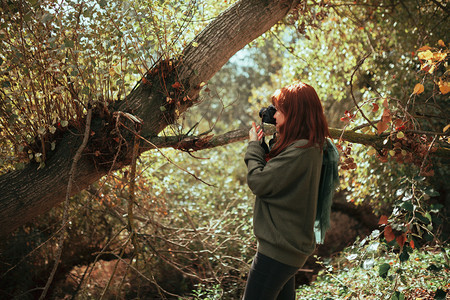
pixel 267 179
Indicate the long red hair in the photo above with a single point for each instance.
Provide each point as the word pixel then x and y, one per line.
pixel 304 117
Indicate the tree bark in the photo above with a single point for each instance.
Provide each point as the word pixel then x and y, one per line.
pixel 32 191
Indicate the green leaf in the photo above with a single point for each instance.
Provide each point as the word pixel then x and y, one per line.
pixel 68 43
pixel 440 294
pixel 435 208
pixel 398 296
pixel 422 218
pixel 408 206
pixel 383 270
pixel 428 237
pixel 431 192
pixel 47 18
pixel 85 90
pixel 162 108
pixel 434 268
pixel 428 216
pixel 404 256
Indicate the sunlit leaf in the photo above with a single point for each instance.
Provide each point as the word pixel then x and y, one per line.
pixel 425 55
pixel 444 87
pixel 424 48
pixel 439 56
pixel 441 43
pixel 419 88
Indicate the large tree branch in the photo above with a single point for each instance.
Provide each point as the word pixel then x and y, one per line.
pixel 201 142
pixel 32 191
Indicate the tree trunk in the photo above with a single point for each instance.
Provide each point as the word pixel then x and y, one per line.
pixel 32 191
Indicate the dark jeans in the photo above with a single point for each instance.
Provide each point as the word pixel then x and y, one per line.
pixel 269 280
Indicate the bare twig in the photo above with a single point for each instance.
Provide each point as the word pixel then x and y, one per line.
pixel 201 243
pixel 351 90
pixel 72 171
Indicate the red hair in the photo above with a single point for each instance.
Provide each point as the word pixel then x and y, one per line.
pixel 304 117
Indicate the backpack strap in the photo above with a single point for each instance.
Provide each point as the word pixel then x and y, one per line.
pixel 329 181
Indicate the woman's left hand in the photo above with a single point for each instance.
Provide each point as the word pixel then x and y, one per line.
pixel 255 133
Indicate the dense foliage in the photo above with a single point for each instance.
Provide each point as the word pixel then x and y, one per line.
pixel 179 224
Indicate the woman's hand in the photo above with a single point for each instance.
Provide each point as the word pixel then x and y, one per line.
pixel 255 133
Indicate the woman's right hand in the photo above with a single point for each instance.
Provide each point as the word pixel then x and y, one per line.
pixel 255 133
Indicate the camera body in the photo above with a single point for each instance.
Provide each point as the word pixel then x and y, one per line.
pixel 266 114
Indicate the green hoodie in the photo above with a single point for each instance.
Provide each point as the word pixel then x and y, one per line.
pixel 286 189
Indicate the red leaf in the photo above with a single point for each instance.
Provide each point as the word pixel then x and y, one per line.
pixel 389 234
pixel 383 220
pixel 386 117
pixel 411 243
pixel 176 85
pixel 401 239
pixel 382 127
pixel 375 107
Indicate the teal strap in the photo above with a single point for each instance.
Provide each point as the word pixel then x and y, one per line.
pixel 329 181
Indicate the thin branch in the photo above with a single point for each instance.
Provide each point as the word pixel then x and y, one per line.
pixel 72 171
pixel 351 90
pixel 444 8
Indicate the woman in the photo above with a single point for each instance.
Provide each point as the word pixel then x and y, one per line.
pixel 286 185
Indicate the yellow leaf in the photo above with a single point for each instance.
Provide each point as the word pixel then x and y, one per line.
pixel 371 152
pixel 431 70
pixel 424 48
pixel 444 87
pixel 419 88
pixel 439 56
pixel 194 44
pixel 400 135
pixel 441 43
pixel 446 128
pixel 111 72
pixel 425 55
